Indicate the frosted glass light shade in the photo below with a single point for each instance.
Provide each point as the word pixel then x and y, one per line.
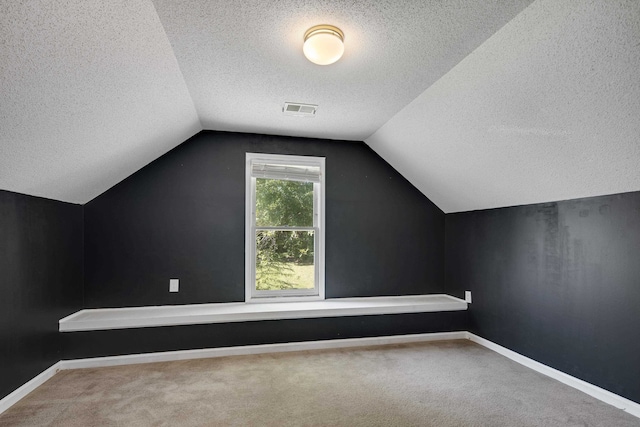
pixel 323 44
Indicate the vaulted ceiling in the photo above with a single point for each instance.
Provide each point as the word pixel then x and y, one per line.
pixel 479 104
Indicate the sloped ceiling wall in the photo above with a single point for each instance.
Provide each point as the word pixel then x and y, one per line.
pixel 547 109
pixel 91 92
pixel 478 104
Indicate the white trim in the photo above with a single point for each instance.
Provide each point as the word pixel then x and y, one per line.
pixel 167 356
pixel 172 315
pixel 283 298
pixel 601 394
pixel 13 397
pixel 249 203
pixel 320 223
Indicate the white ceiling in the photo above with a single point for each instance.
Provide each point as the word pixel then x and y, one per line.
pixel 90 93
pixel 479 104
pixel 243 60
pixel 547 109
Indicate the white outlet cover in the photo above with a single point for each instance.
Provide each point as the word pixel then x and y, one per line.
pixel 467 296
pixel 174 285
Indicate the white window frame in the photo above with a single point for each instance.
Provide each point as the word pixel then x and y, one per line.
pixel 251 293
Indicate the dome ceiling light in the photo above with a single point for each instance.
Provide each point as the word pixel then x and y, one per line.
pixel 323 44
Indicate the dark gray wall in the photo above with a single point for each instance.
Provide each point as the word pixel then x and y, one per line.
pixel 183 216
pixel 556 282
pixel 41 265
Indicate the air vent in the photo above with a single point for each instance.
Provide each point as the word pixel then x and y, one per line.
pixel 297 109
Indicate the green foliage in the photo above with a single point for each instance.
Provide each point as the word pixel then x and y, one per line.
pixel 285 203
pixel 282 203
pixel 278 253
pixel 286 276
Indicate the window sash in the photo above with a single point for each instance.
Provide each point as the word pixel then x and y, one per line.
pixel 257 293
pixel 307 169
pixel 286 228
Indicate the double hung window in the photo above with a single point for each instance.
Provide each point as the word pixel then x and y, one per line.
pixel 284 227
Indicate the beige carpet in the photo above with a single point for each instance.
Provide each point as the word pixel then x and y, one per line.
pixel 451 383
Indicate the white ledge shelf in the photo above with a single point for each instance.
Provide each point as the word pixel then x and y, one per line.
pixel 172 315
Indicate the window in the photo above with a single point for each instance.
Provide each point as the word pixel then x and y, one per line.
pixel 284 228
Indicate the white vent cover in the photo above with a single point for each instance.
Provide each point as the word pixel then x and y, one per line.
pixel 297 109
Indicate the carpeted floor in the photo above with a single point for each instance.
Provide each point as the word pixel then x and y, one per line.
pixel 450 383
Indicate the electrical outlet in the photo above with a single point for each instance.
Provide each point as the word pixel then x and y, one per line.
pixel 174 285
pixel 467 296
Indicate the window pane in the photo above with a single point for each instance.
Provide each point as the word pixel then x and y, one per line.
pixel 284 260
pixel 284 203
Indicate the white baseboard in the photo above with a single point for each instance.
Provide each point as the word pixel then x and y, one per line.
pixel 13 397
pixel 606 396
pixel 620 402
pixel 166 356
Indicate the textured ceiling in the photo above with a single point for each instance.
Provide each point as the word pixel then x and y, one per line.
pixel 243 60
pixel 479 104
pixel 90 93
pixel 547 109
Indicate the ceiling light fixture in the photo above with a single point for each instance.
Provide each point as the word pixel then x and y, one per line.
pixel 323 44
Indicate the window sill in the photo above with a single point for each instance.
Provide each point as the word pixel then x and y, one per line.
pixel 172 315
